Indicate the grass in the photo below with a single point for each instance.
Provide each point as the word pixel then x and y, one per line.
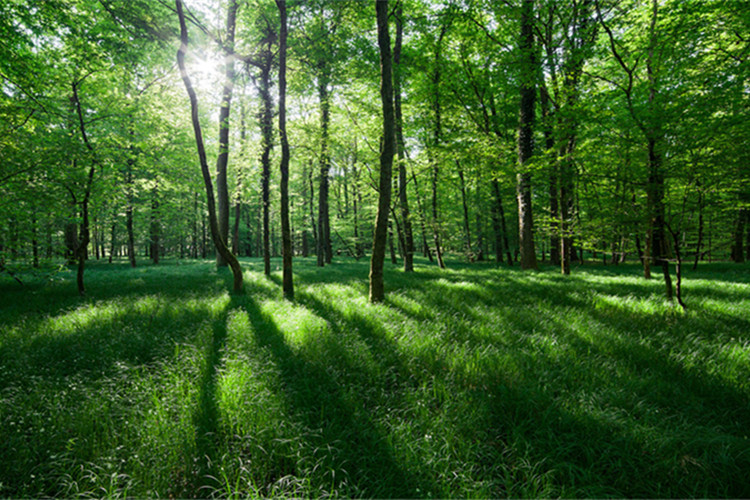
pixel 470 382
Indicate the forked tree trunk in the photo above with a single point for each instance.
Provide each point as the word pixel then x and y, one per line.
pixel 377 285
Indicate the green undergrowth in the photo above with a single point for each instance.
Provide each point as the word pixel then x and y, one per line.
pixel 475 381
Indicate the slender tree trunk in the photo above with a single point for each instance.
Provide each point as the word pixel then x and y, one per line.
pixel 408 238
pixel 34 242
pixel 525 137
pixel 549 144
pixel 222 189
pixel 286 232
pixel 313 224
pixel 699 244
pixel 113 236
pixel 266 127
pixel 425 247
pixel 154 229
pixel 501 219
pixel 220 244
pixel 437 140
pixel 129 196
pixel 84 235
pixel 738 244
pixel 377 286
pixel 467 230
pixel 324 223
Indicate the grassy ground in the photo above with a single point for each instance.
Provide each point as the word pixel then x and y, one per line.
pixel 471 382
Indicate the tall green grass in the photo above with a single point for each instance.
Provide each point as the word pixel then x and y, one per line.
pixel 470 382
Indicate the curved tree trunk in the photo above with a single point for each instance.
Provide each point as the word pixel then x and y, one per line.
pixel 221 245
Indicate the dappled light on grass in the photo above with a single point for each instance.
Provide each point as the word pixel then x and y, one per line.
pixel 469 383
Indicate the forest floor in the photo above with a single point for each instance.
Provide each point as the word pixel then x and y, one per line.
pixel 472 382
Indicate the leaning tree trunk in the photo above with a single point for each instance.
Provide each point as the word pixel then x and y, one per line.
pixel 525 137
pixel 377 286
pixel 221 245
pixel 286 232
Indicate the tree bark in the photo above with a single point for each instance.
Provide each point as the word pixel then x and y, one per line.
pixel 286 232
pixel 154 228
pixel 377 286
pixel 222 189
pixel 324 223
pixel 221 245
pixel 525 137
pixel 406 229
pixel 467 230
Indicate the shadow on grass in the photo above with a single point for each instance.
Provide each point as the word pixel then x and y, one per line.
pixel 355 452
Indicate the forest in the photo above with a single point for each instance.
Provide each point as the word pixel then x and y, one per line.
pixel 380 248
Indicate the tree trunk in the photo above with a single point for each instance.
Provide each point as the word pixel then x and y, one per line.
pixel 324 223
pixel 286 232
pixel 266 127
pixel 467 230
pixel 437 139
pixel 425 247
pixel 154 228
pixel 408 240
pixel 377 286
pixel 738 245
pixel 221 245
pixel 129 188
pixel 549 144
pixel 699 244
pixel 222 189
pixel 525 137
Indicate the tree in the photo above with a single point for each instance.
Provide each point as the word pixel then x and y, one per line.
pixel 286 232
pixel 219 242
pixel 527 77
pixel 377 288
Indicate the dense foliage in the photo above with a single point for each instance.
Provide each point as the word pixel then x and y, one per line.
pixel 640 119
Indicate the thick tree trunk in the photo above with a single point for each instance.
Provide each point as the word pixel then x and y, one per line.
pixel 408 238
pixel 221 245
pixel 286 232
pixel 525 137
pixel 377 285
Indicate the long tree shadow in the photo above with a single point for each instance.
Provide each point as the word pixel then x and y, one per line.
pixel 358 451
